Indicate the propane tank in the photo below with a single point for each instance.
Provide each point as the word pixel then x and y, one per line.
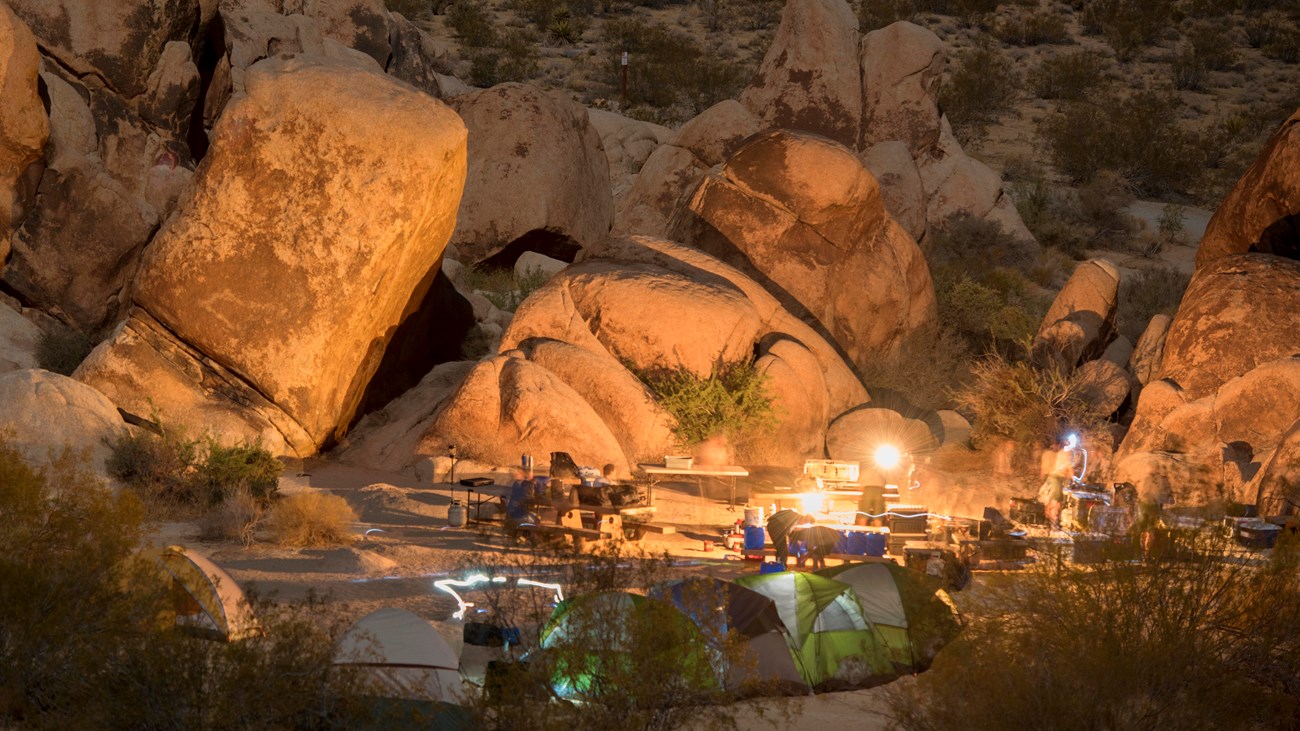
pixel 457 515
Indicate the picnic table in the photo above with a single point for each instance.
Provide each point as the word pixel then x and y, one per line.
pixel 591 523
pixel 656 472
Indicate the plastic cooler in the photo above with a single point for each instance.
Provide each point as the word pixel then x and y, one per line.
pixel 852 543
pixel 771 567
pixel 754 538
pixel 875 544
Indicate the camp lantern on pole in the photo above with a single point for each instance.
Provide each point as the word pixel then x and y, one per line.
pixel 623 101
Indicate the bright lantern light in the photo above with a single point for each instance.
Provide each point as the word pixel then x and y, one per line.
pixel 811 502
pixel 888 456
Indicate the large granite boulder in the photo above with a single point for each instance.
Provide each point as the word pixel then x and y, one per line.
pixel 803 216
pixel 42 413
pixel 795 382
pixel 535 164
pixel 24 125
pixel 1081 320
pixel 1276 486
pixel 508 406
pixel 856 435
pixel 628 143
pixel 1165 478
pixel 1149 351
pixel 810 79
pixel 106 185
pixel 292 262
pixel 1262 213
pixel 668 178
pixel 18 340
pixel 900 185
pixel 902 65
pixel 1239 311
pixel 956 183
pixel 1105 386
pixel 119 41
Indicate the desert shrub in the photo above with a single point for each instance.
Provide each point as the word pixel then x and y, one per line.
pixel 170 470
pixel 80 641
pixel 514 58
pixel 1023 28
pixel 312 519
pixel 564 27
pixel 980 90
pixel 873 14
pixel 1070 76
pixel 732 401
pixel 1103 207
pixel 926 366
pixel 1127 25
pixel 1284 44
pixel 1263 28
pixel 236 518
pixel 472 24
pixel 668 70
pixel 1010 397
pixel 477 343
pixel 1136 135
pixel 62 350
pixel 503 287
pixel 1182 640
pixel 1147 294
pixel 412 9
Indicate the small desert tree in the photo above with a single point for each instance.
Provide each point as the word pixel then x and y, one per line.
pixel 732 401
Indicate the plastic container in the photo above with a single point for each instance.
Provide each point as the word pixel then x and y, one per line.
pixel 753 516
pixel 874 544
pixel 457 515
pixel 679 462
pixel 771 567
pixel 754 538
pixel 853 543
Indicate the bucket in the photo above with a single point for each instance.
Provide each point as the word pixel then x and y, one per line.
pixel 874 544
pixel 754 538
pixel 753 516
pixel 771 567
pixel 457 516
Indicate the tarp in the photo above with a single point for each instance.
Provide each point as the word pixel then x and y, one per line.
pixel 222 606
pixel 830 639
pixel 403 654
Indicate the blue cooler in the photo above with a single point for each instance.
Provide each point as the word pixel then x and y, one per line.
pixel 754 538
pixel 853 543
pixel 771 567
pixel 875 544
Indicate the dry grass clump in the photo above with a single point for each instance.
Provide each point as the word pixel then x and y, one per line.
pixel 312 520
pixel 236 518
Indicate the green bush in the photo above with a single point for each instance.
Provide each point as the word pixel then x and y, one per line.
pixel 733 401
pixel 503 287
pixel 514 58
pixel 170 470
pixel 982 88
pixel 668 71
pixel 1011 398
pixel 926 366
pixel 1023 28
pixel 1135 135
pixel 1128 26
pixel 1183 640
pixel 1070 76
pixel 62 350
pixel 472 24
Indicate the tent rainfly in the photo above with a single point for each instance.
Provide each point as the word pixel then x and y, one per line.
pixel 206 597
pixel 910 611
pixel 403 654
pixel 831 641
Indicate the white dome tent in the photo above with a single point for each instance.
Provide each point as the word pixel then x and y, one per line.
pixel 404 654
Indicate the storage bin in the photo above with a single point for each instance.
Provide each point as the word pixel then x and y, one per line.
pixel 679 462
pixel 771 567
pixel 754 538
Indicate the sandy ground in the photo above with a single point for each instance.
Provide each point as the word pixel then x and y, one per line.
pixel 404 544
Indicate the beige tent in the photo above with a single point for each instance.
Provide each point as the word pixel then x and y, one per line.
pixel 206 597
pixel 404 655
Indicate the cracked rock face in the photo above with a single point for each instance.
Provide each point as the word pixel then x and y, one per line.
pixel 279 282
pixel 24 125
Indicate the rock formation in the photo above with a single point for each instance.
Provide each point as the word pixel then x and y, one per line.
pixel 536 167
pixel 1081 321
pixel 24 125
pixel 43 413
pixel 270 297
pixel 1262 213
pixel 803 216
